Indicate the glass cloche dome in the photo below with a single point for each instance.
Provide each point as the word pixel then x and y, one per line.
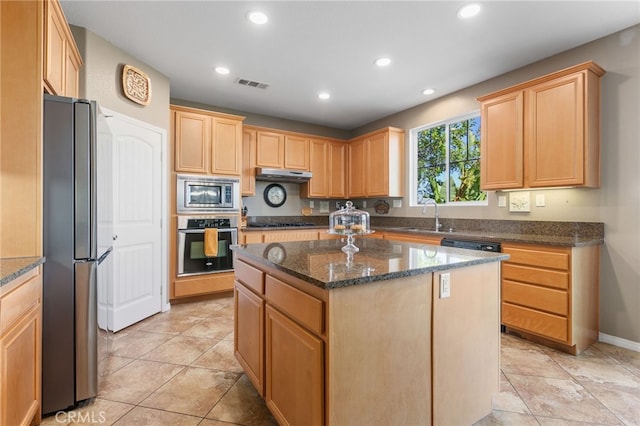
pixel 349 221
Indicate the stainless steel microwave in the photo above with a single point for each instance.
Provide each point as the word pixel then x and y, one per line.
pixel 207 194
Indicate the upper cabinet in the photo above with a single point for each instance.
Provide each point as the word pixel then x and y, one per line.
pixel 207 142
pixel 296 153
pixel 543 133
pixel 248 162
pixel 327 160
pixel 61 57
pixel 376 164
pixel 269 149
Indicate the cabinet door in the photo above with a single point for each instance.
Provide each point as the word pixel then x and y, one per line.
pixel 415 238
pixel 20 350
pixel 337 162
pixel 248 162
pixel 72 73
pixel 269 150
pixel 555 132
pixel 501 143
pixel 294 383
pixel 55 53
pixel 226 147
pixel 318 185
pixel 249 335
pixel 303 235
pixel 377 165
pixel 252 237
pixel 357 157
pixel 192 136
pixel 296 153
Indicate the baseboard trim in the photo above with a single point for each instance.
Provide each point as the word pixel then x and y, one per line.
pixel 619 341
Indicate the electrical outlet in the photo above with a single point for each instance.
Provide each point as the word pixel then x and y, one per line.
pixel 397 204
pixel 502 201
pixel 311 204
pixel 445 285
pixel 539 200
pixel 364 204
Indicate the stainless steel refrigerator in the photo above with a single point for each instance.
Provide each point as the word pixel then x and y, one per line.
pixel 70 245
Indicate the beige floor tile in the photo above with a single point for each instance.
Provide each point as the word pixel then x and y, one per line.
pixel 508 399
pixel 202 309
pixel 111 364
pixel 550 421
pixel 629 358
pixel 91 412
pixel 242 405
pixel 209 422
pixel 591 366
pixel 171 323
pixel 181 350
pixel 529 361
pixel 507 418
pixel 219 357
pixel 225 311
pixel 560 398
pixel 142 416
pixel 213 328
pixel 134 344
pixel 134 382
pixel 193 391
pixel 623 401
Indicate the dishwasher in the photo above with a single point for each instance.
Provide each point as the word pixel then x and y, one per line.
pixel 472 245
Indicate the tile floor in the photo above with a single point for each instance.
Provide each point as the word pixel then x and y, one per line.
pixel 178 368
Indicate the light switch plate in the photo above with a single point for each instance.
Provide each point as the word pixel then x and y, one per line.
pixel 324 207
pixel 540 200
pixel 445 285
pixel 502 201
pixel 311 203
pixel 364 204
pixel 397 204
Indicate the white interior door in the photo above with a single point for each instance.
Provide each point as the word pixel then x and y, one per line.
pixel 138 261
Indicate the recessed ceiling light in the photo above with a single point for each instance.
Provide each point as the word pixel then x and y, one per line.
pixel 323 95
pixel 428 91
pixel 222 70
pixel 382 62
pixel 258 18
pixel 468 10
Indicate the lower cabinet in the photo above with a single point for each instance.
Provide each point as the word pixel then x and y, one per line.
pixel 413 238
pixel 249 326
pixel 21 351
pixel 295 376
pixel 552 293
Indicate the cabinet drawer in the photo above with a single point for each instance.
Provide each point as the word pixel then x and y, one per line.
pixel 543 324
pixel 305 309
pixel 21 300
pixel 553 258
pixel 249 276
pixel 548 278
pixel 546 299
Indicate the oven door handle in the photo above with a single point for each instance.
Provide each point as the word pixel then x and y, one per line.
pixel 201 231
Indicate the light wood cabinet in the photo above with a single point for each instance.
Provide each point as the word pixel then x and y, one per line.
pixel 296 153
pixel 21 350
pixel 206 142
pixel 62 60
pixel 414 238
pixel 248 162
pixel 327 162
pixel 278 342
pixel 337 172
pixel 293 235
pixel 269 149
pixel 543 133
pixel 552 293
pixel 376 164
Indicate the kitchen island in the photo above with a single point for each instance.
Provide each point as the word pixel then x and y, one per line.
pixel 401 333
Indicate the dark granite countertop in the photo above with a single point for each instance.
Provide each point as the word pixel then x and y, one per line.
pixel 323 264
pixel 566 234
pixel 13 267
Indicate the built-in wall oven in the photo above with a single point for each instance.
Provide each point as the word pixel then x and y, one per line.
pixel 191 240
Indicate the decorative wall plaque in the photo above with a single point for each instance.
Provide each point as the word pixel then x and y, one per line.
pixel 136 85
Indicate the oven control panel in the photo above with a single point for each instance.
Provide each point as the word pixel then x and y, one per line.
pixel 191 222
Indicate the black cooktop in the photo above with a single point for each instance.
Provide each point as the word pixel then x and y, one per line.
pixel 280 225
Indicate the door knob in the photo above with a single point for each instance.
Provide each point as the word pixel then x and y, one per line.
pixel 115 237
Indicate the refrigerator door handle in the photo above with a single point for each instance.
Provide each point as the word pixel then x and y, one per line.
pixel 84 181
pixel 86 329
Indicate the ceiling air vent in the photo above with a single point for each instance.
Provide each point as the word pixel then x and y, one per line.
pixel 251 83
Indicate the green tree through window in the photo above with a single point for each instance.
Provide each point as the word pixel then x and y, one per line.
pixel 448 162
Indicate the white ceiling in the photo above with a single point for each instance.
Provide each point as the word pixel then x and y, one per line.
pixel 312 46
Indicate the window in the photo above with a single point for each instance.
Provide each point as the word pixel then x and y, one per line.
pixel 447 162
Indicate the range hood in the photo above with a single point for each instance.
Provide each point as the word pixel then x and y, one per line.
pixel 282 175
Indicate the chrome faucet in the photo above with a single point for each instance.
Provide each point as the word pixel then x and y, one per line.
pixel 435 205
